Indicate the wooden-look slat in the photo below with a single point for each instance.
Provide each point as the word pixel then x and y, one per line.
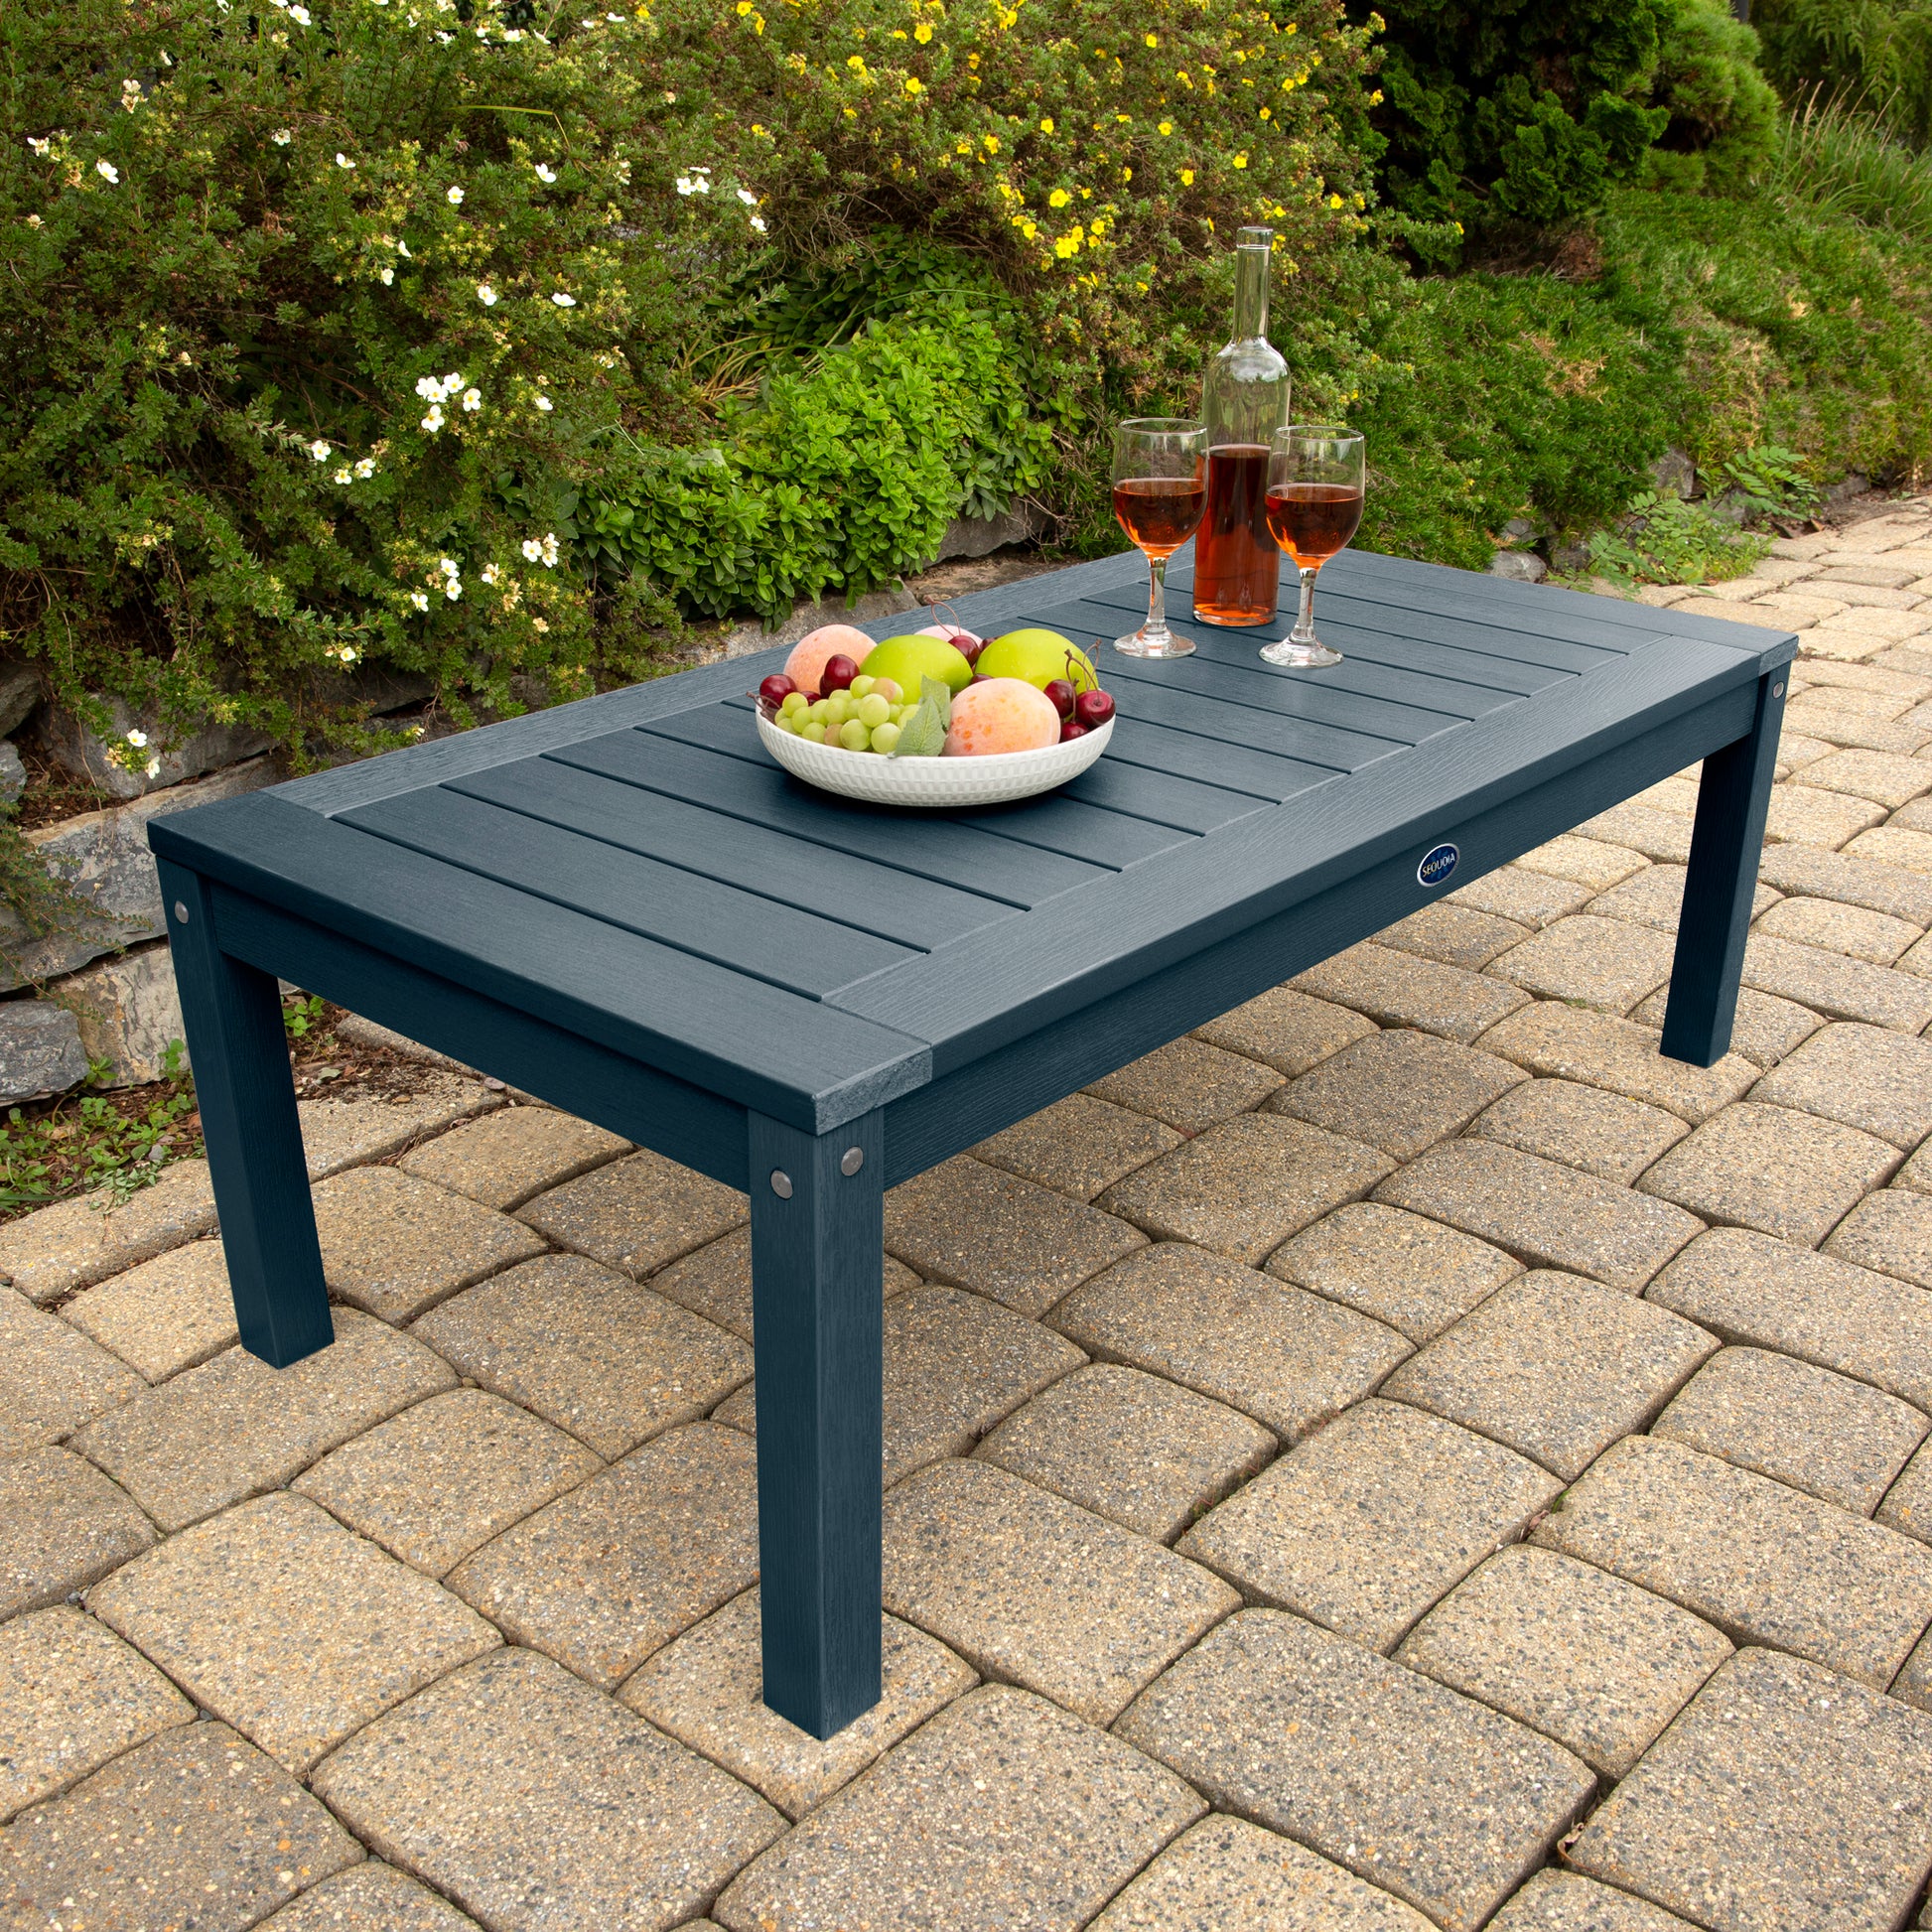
pixel 778 943
pixel 1188 754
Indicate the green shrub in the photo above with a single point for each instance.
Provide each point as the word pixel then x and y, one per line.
pixel 1841 162
pixel 1873 54
pixel 1669 541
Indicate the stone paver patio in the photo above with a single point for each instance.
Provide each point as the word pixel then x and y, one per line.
pixel 1407 1455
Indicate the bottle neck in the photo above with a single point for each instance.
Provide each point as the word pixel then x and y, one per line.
pixel 1251 294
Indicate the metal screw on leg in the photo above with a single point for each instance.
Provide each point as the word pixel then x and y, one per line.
pixel 181 910
pixel 851 1160
pixel 1778 690
pixel 782 1183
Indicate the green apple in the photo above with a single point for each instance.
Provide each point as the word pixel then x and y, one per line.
pixel 906 661
pixel 1038 656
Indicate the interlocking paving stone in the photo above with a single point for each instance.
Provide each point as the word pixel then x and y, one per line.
pixel 1400 1090
pixel 1913 1686
pixel 1765 1027
pixel 1563 1901
pixel 1600 962
pixel 1855 930
pixel 369 1897
pixel 1772 1168
pixel 1795 752
pixel 1907 1504
pixel 1605 1134
pixel 1913 851
pixel 626 1561
pixel 1807 816
pixel 1858 882
pixel 1864 730
pixel 1555 1367
pixel 1861 1076
pixel 976 1227
pixel 342 1130
pixel 1882 777
pixel 1838 987
pixel 395 1245
pixel 74 1243
pixel 1364 1526
pixel 1783 1797
pixel 63 1524
pixel 165 1316
pixel 1225 1872
pixel 1002 1811
pixel 1918 960
pixel 1396 989
pixel 1655 896
pixel 1448 1808
pixel 1286 1030
pixel 1582 1657
pixel 1750 1288
pixel 71 1696
pixel 1819 1432
pixel 52 1378
pixel 534 1802
pixel 588 1349
pixel 1189 1084
pixel 1866 575
pixel 1764 1563
pixel 1635 831
pixel 1081 1144
pixel 1243 1187
pixel 1548 1215
pixel 288 1627
pixel 1132 1448
pixel 1287 1358
pixel 1033 1589
pixel 196 1829
pixel 1891 1231
pixel 639 1214
pixel 1918 1172
pixel 716 1282
pixel 1595 863
pixel 442 1478
pixel 510 1154
pixel 1601 1051
pixel 235 1427
pixel 1458 935
pixel 1531 898
pixel 955 1365
pixel 1915 818
pixel 707 1691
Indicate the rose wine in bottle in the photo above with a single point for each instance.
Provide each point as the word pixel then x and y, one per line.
pixel 1244 400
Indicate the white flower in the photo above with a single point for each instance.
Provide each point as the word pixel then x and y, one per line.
pixel 545 404
pixel 33 221
pixel 131 96
pixel 454 197
pixel 449 567
pixel 282 136
pixel 472 400
pixel 746 196
pixel 152 770
pixel 591 21
pixel 428 388
pixel 451 384
pixel 434 420
pixel 366 469
pixel 388 276
pixel 348 654
pixel 491 575
pixel 532 551
pixel 564 301
pixel 37 147
pixel 615 19
pixel 453 590
pixel 107 170
pixel 757 222
pixel 342 160
pixel 318 450
pixel 402 248
pixel 545 174
pixel 513 35
pixel 300 15
pixel 419 600
pixel 138 738
pixel 550 550
pixel 343 475
pixel 692 184
pixel 485 294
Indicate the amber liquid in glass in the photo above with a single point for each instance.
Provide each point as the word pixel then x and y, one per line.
pixel 1311 521
pixel 1237 567
pixel 1160 513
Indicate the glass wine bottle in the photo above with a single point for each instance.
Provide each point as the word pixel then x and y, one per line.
pixel 1244 401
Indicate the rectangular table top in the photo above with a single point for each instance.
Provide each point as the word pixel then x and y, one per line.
pixel 634 867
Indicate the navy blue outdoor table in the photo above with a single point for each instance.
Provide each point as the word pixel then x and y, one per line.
pixel 624 906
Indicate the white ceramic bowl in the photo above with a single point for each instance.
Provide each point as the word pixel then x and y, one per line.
pixel 940 781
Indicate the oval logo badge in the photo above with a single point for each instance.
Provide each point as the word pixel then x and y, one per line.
pixel 1437 865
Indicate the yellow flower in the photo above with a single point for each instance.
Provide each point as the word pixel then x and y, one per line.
pixel 1127 174
pixel 852 113
pixel 1086 193
pixel 899 33
pixel 1289 28
pixel 1267 114
pixel 972 60
pixel 1240 160
pixel 1167 127
pixel 1459 227
pixel 923 31
pixel 1030 229
pixel 991 143
pixel 1186 177
pixel 855 62
pixel 1154 40
pixel 1375 99
pixel 1058 197
pixel 1047 124
pixel 1334 201
pixel 1067 245
pixel 914 85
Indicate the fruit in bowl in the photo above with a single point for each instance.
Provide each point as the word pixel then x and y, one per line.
pixel 1041 657
pixel 910 659
pixel 1001 714
pixel 812 652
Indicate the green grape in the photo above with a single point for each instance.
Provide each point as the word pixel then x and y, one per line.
pixel 815 731
pixel 853 735
pixel 819 711
pixel 840 708
pixel 883 738
pixel 783 721
pixel 795 701
pixel 874 711
pixel 860 686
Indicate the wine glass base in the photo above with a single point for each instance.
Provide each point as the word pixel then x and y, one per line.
pixel 1139 645
pixel 1300 658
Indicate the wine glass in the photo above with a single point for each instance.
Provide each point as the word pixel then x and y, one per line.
pixel 1159 488
pixel 1315 505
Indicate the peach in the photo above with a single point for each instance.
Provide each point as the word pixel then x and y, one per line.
pixel 806 665
pixel 1002 714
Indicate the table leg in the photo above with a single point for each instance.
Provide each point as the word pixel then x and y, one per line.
pixel 240 1052
pixel 817 1228
pixel 1733 801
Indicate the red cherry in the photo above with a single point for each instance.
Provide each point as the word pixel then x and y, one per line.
pixel 979 677
pixel 775 689
pixel 1071 730
pixel 1060 690
pixel 967 645
pixel 1093 709
pixel 839 672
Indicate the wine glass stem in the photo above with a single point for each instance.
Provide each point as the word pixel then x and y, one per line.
pixel 1304 631
pixel 1157 600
